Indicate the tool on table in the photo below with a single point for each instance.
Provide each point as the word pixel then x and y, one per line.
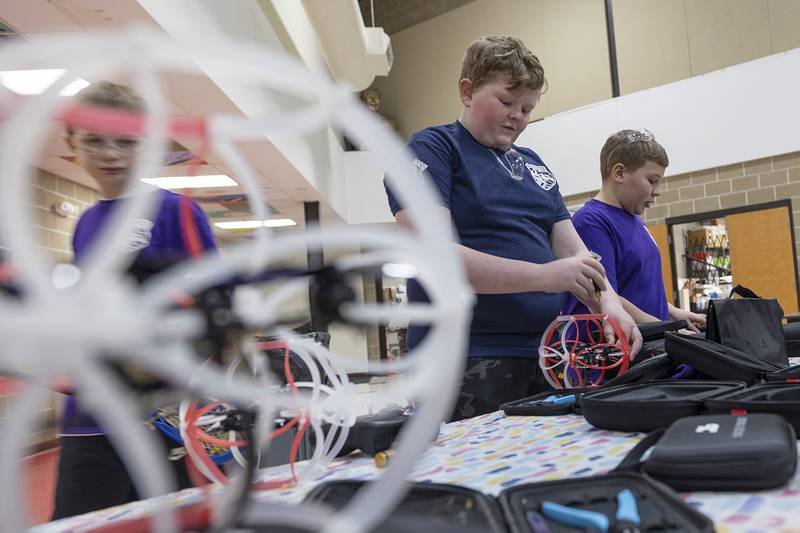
pixel 554 399
pixel 626 519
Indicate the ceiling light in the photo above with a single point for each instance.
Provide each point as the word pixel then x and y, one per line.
pixel 192 182
pixel 37 81
pixel 399 270
pixel 251 224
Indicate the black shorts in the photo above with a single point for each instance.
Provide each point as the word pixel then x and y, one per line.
pixel 489 382
pixel 91 476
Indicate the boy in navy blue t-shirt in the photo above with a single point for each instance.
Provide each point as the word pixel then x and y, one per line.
pixel 91 475
pixel 519 247
pixel 632 163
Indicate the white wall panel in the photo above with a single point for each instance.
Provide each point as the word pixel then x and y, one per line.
pixel 740 113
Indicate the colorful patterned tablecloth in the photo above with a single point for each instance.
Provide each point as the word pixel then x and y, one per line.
pixel 493 452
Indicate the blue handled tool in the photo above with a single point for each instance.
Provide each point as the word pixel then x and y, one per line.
pixel 554 399
pixel 578 518
pixel 626 519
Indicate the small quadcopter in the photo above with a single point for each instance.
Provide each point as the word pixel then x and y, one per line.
pixel 574 352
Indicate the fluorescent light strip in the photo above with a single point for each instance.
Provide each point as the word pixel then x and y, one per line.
pixel 29 82
pixel 399 270
pixel 192 182
pixel 252 224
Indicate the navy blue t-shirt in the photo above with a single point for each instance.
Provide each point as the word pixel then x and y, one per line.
pixel 158 244
pixel 628 253
pixel 498 215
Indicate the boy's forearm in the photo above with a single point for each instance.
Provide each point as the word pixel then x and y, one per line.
pixel 639 316
pixel 489 274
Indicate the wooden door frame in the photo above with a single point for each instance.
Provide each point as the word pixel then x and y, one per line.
pixel 696 217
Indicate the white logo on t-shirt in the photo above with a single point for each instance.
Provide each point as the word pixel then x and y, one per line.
pixel 140 235
pixel 419 166
pixel 541 176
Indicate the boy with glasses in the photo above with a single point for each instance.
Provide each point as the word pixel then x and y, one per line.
pixel 519 248
pixel 632 164
pixel 91 475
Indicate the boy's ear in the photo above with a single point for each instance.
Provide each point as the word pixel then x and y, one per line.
pixel 68 138
pixel 617 172
pixel 465 91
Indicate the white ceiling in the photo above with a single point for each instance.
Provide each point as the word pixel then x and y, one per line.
pixel 187 95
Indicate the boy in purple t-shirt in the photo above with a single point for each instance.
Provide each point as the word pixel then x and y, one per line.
pixel 632 164
pixel 91 476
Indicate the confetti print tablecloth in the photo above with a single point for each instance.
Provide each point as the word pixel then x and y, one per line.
pixel 493 452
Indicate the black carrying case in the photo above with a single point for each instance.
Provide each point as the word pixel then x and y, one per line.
pixel 719 453
pixel 750 324
pixel 659 508
pixel 716 360
pixel 537 406
pixel 426 507
pixel 787 375
pixel 777 398
pixel 653 331
pixel 651 405
pixel 791 337
pixel 657 367
pixel 654 368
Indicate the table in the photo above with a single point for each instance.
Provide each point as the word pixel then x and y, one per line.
pixel 493 452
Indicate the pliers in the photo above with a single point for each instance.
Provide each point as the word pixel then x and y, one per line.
pixel 626 519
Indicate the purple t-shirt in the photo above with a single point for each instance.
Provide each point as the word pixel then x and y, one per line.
pixel 158 244
pixel 629 255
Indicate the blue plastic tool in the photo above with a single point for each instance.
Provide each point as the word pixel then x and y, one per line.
pixel 626 519
pixel 578 518
pixel 554 399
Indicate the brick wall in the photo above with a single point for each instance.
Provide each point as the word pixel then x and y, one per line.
pixel 747 183
pixel 55 233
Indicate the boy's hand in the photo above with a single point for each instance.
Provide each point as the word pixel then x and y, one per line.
pixel 580 274
pixel 611 306
pixel 696 322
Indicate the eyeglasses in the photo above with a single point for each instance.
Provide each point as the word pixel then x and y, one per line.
pixel 642 135
pixel 96 144
pixel 516 165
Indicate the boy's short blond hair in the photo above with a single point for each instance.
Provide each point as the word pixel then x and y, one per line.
pixel 631 148
pixel 108 94
pixel 495 56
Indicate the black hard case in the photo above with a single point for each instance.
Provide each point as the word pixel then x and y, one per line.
pixel 719 453
pixel 778 398
pixel 716 360
pixel 426 507
pixel 651 405
pixel 659 508
pixel 787 375
pixel 530 406
pixel 657 367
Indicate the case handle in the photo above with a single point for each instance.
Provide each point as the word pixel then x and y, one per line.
pixel 632 461
pixel 742 291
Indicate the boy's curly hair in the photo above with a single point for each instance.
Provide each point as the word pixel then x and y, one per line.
pixel 495 56
pixel 632 148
